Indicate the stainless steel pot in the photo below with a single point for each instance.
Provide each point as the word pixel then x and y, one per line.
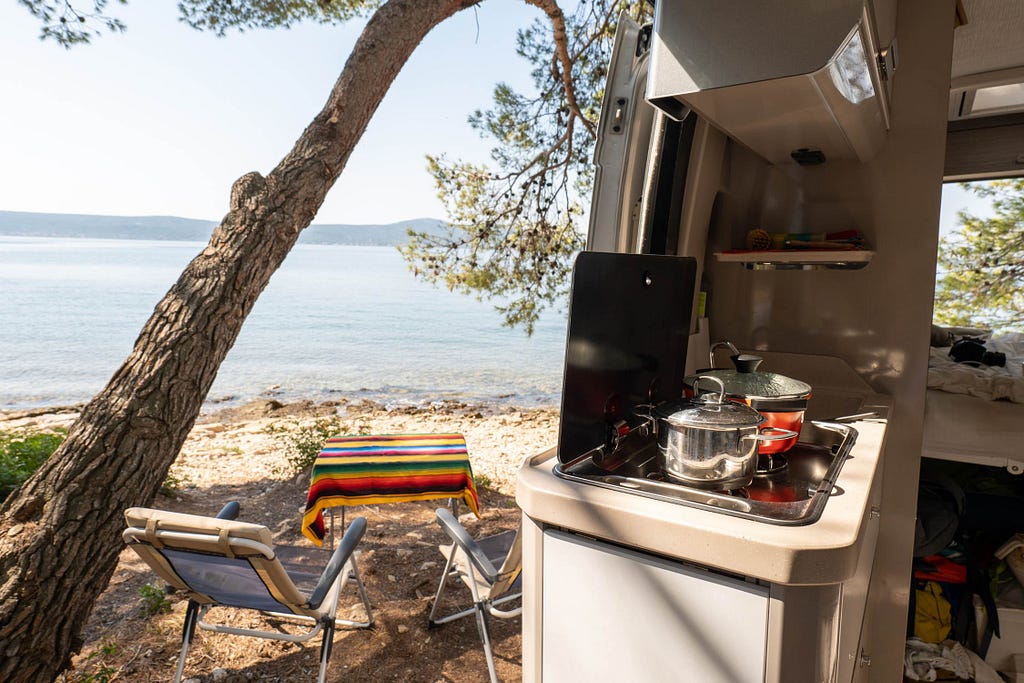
pixel 710 442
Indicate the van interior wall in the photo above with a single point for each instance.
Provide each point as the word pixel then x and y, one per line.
pixel 877 319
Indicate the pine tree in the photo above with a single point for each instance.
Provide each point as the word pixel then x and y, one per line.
pixel 60 531
pixel 981 264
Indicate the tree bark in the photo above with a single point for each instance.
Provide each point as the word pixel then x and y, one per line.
pixel 60 533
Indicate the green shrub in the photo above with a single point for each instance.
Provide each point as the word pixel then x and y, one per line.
pixel 173 485
pixel 22 452
pixel 302 443
pixel 95 668
pixel 154 600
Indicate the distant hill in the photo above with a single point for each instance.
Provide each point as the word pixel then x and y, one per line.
pixel 190 230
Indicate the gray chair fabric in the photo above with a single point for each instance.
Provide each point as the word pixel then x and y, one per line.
pixel 219 562
pixel 490 567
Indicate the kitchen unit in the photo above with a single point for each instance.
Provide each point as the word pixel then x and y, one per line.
pixel 790 117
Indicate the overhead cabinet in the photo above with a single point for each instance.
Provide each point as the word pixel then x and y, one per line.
pixel 796 81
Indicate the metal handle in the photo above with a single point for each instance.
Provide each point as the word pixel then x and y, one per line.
pixel 721 388
pixel 727 344
pixel 854 418
pixel 779 435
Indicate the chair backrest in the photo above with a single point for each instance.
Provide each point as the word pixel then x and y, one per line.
pixel 500 580
pixel 512 568
pixel 216 561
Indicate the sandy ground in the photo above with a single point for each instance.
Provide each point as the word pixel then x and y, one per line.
pixel 498 438
pixel 237 453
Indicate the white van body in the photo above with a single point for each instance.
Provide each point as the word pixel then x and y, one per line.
pixel 704 127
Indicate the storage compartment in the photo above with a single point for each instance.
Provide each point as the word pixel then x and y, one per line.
pixel 645 618
pixel 975 510
pixel 807 91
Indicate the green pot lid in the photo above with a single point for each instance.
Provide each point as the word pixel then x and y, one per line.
pixel 750 383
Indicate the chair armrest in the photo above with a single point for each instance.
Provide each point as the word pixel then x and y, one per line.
pixel 461 537
pixel 230 510
pixel 342 553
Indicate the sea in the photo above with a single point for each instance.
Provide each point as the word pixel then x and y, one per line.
pixel 335 321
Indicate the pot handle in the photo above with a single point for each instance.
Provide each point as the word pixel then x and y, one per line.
pixel 711 378
pixel 778 435
pixel 726 344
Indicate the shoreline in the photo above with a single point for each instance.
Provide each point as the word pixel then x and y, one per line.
pixel 380 399
pixel 232 446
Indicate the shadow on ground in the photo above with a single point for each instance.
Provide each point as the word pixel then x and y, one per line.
pixel 399 563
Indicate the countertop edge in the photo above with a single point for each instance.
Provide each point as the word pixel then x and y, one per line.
pixel 824 552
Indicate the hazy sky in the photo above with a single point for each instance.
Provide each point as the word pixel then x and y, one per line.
pixel 162 119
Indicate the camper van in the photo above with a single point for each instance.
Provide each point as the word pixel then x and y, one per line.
pixel 769 179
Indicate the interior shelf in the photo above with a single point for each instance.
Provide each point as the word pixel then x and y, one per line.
pixel 798 259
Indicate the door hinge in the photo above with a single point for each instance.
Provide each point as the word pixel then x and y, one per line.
pixel 887 61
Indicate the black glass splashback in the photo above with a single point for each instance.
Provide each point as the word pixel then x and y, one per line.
pixel 629 323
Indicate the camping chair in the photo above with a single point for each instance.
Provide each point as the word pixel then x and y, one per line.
pixel 475 563
pixel 219 562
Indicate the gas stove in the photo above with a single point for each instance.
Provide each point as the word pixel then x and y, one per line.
pixel 793 492
pixel 616 373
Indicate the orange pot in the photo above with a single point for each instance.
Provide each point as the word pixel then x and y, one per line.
pixel 780 399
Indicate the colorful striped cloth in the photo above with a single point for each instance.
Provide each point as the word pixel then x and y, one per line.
pixel 387 468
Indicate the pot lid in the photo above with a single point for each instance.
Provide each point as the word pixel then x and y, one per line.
pixel 748 382
pixel 712 411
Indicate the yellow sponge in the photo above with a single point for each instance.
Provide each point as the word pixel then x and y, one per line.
pixel 758 239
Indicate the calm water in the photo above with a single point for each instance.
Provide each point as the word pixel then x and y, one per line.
pixel 334 321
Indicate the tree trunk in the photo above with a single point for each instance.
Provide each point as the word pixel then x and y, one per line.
pixel 60 533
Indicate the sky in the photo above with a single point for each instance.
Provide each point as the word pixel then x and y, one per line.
pixel 162 119
pixel 954 198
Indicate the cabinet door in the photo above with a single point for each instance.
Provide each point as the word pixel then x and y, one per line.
pixel 611 614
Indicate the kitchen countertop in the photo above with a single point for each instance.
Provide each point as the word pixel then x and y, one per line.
pixel 824 552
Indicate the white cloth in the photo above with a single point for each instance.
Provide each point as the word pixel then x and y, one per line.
pixel 922 659
pixel 983 672
pixel 991 383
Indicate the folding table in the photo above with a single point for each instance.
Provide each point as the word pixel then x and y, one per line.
pixel 387 468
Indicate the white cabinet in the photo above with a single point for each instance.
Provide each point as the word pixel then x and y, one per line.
pixel 612 614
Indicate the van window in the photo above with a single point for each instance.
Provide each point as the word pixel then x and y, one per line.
pixel 979 280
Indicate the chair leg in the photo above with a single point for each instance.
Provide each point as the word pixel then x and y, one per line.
pixel 481 625
pixel 362 593
pixel 325 649
pixel 188 630
pixel 350 573
pixel 440 589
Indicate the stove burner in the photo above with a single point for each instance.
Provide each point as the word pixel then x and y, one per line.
pixel 787 490
pixel 771 463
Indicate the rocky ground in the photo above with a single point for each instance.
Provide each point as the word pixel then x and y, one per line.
pixel 241 454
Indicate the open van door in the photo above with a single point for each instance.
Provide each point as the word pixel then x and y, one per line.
pixel 622 142
pixel 641 156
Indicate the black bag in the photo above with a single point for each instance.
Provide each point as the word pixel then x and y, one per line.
pixel 971 350
pixel 940 505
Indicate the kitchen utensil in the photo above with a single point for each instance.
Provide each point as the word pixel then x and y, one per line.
pixel 780 399
pixel 710 442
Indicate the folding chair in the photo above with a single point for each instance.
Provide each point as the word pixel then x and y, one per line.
pixel 475 563
pixel 219 562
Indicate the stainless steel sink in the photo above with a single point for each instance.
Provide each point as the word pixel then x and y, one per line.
pixel 793 495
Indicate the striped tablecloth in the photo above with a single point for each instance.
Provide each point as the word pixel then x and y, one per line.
pixel 387 468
